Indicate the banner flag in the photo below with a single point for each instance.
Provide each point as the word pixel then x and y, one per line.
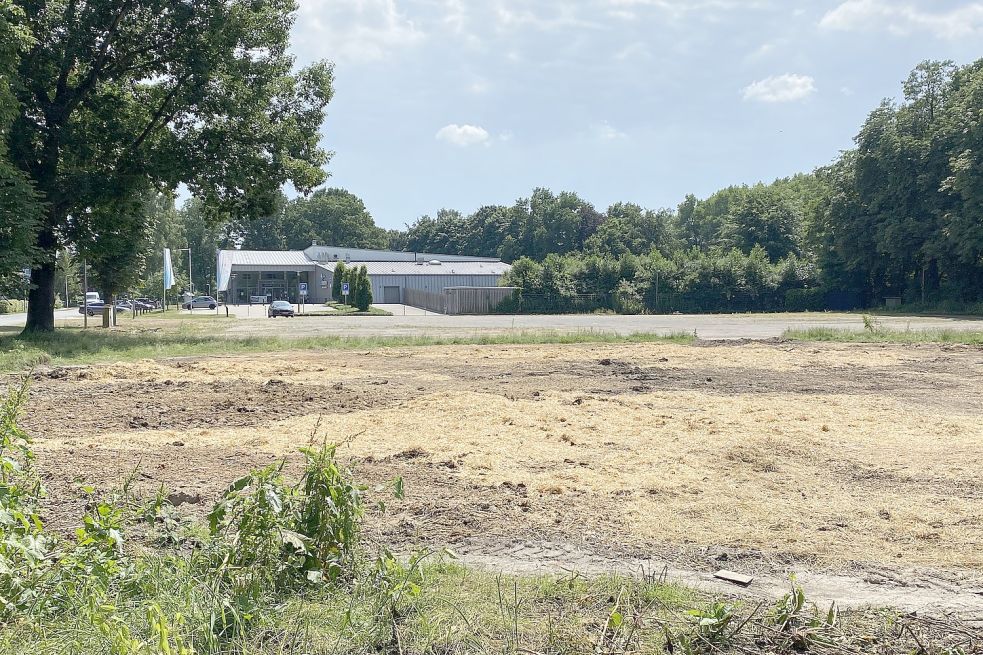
pixel 168 269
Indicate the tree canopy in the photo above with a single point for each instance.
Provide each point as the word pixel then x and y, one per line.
pixel 115 99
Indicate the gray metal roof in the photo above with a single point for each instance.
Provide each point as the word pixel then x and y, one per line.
pixel 426 268
pixel 267 257
pixel 378 262
pixel 335 253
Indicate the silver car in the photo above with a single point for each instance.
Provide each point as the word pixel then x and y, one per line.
pixel 201 302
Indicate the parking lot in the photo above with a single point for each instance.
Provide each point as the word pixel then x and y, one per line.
pixel 730 326
pixel 411 321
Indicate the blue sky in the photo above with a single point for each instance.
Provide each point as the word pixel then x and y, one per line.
pixel 461 103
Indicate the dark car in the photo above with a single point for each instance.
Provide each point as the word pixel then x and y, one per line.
pixel 145 304
pixel 93 308
pixel 280 308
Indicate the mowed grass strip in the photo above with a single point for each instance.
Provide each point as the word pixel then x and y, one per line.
pixel 884 335
pixel 75 346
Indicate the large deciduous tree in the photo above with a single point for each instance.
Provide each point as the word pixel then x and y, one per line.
pixel 117 97
pixel 333 217
pixel 19 206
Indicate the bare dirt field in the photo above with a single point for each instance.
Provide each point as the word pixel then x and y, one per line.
pixel 854 462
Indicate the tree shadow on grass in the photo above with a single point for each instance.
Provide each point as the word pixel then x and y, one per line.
pixel 19 351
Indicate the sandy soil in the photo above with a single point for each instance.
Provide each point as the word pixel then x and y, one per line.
pixel 772 457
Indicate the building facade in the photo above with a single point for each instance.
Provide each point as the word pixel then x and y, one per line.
pixel 246 276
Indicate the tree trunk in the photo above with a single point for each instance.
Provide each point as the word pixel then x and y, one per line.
pixel 41 299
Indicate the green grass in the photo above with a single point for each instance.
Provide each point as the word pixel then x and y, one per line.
pixel 341 309
pixel 943 308
pixel 883 335
pixel 76 346
pixel 457 610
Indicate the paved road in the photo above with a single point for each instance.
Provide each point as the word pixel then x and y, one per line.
pixel 729 326
pixel 18 320
pixel 415 323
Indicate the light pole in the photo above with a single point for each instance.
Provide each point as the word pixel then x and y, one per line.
pixel 191 280
pixel 300 297
pixel 85 293
pixel 65 271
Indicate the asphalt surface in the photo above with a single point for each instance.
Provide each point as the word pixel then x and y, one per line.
pixel 17 320
pixel 416 322
pixel 717 326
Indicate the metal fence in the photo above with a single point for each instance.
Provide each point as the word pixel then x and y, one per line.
pixel 460 300
pixel 691 302
pixel 433 302
pixel 476 300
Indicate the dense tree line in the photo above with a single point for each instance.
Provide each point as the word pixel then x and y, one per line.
pixel 901 214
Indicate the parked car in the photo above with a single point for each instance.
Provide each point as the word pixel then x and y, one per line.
pixel 93 308
pixel 201 302
pixel 280 308
pixel 146 303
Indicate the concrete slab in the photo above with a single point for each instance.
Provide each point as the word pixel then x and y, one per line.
pixel 402 310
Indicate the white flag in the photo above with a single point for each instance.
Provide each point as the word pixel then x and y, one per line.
pixel 168 269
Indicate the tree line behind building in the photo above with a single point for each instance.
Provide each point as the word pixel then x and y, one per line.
pixel 899 215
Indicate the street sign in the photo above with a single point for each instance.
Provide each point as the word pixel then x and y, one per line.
pixel 303 288
pixel 344 288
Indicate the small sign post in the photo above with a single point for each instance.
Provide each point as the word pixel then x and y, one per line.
pixel 302 292
pixel 345 288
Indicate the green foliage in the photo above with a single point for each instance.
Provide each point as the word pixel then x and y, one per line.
pixel 800 624
pixel 713 626
pixel 11 306
pixel 900 215
pixel 329 515
pixel 276 535
pixel 903 215
pixel 361 288
pixel 20 206
pixel 143 96
pixel 805 300
pixel 330 216
pixel 884 335
pixel 691 281
pixel 340 272
pixel 24 550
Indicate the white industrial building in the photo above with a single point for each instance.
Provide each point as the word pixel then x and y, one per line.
pixel 396 277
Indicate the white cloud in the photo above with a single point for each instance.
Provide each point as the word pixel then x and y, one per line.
pixel 463 135
pixel 904 18
pixel 780 88
pixel 762 51
pixel 636 50
pixel 708 9
pixel 479 87
pixel 607 132
pixel 366 30
pixel 557 16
